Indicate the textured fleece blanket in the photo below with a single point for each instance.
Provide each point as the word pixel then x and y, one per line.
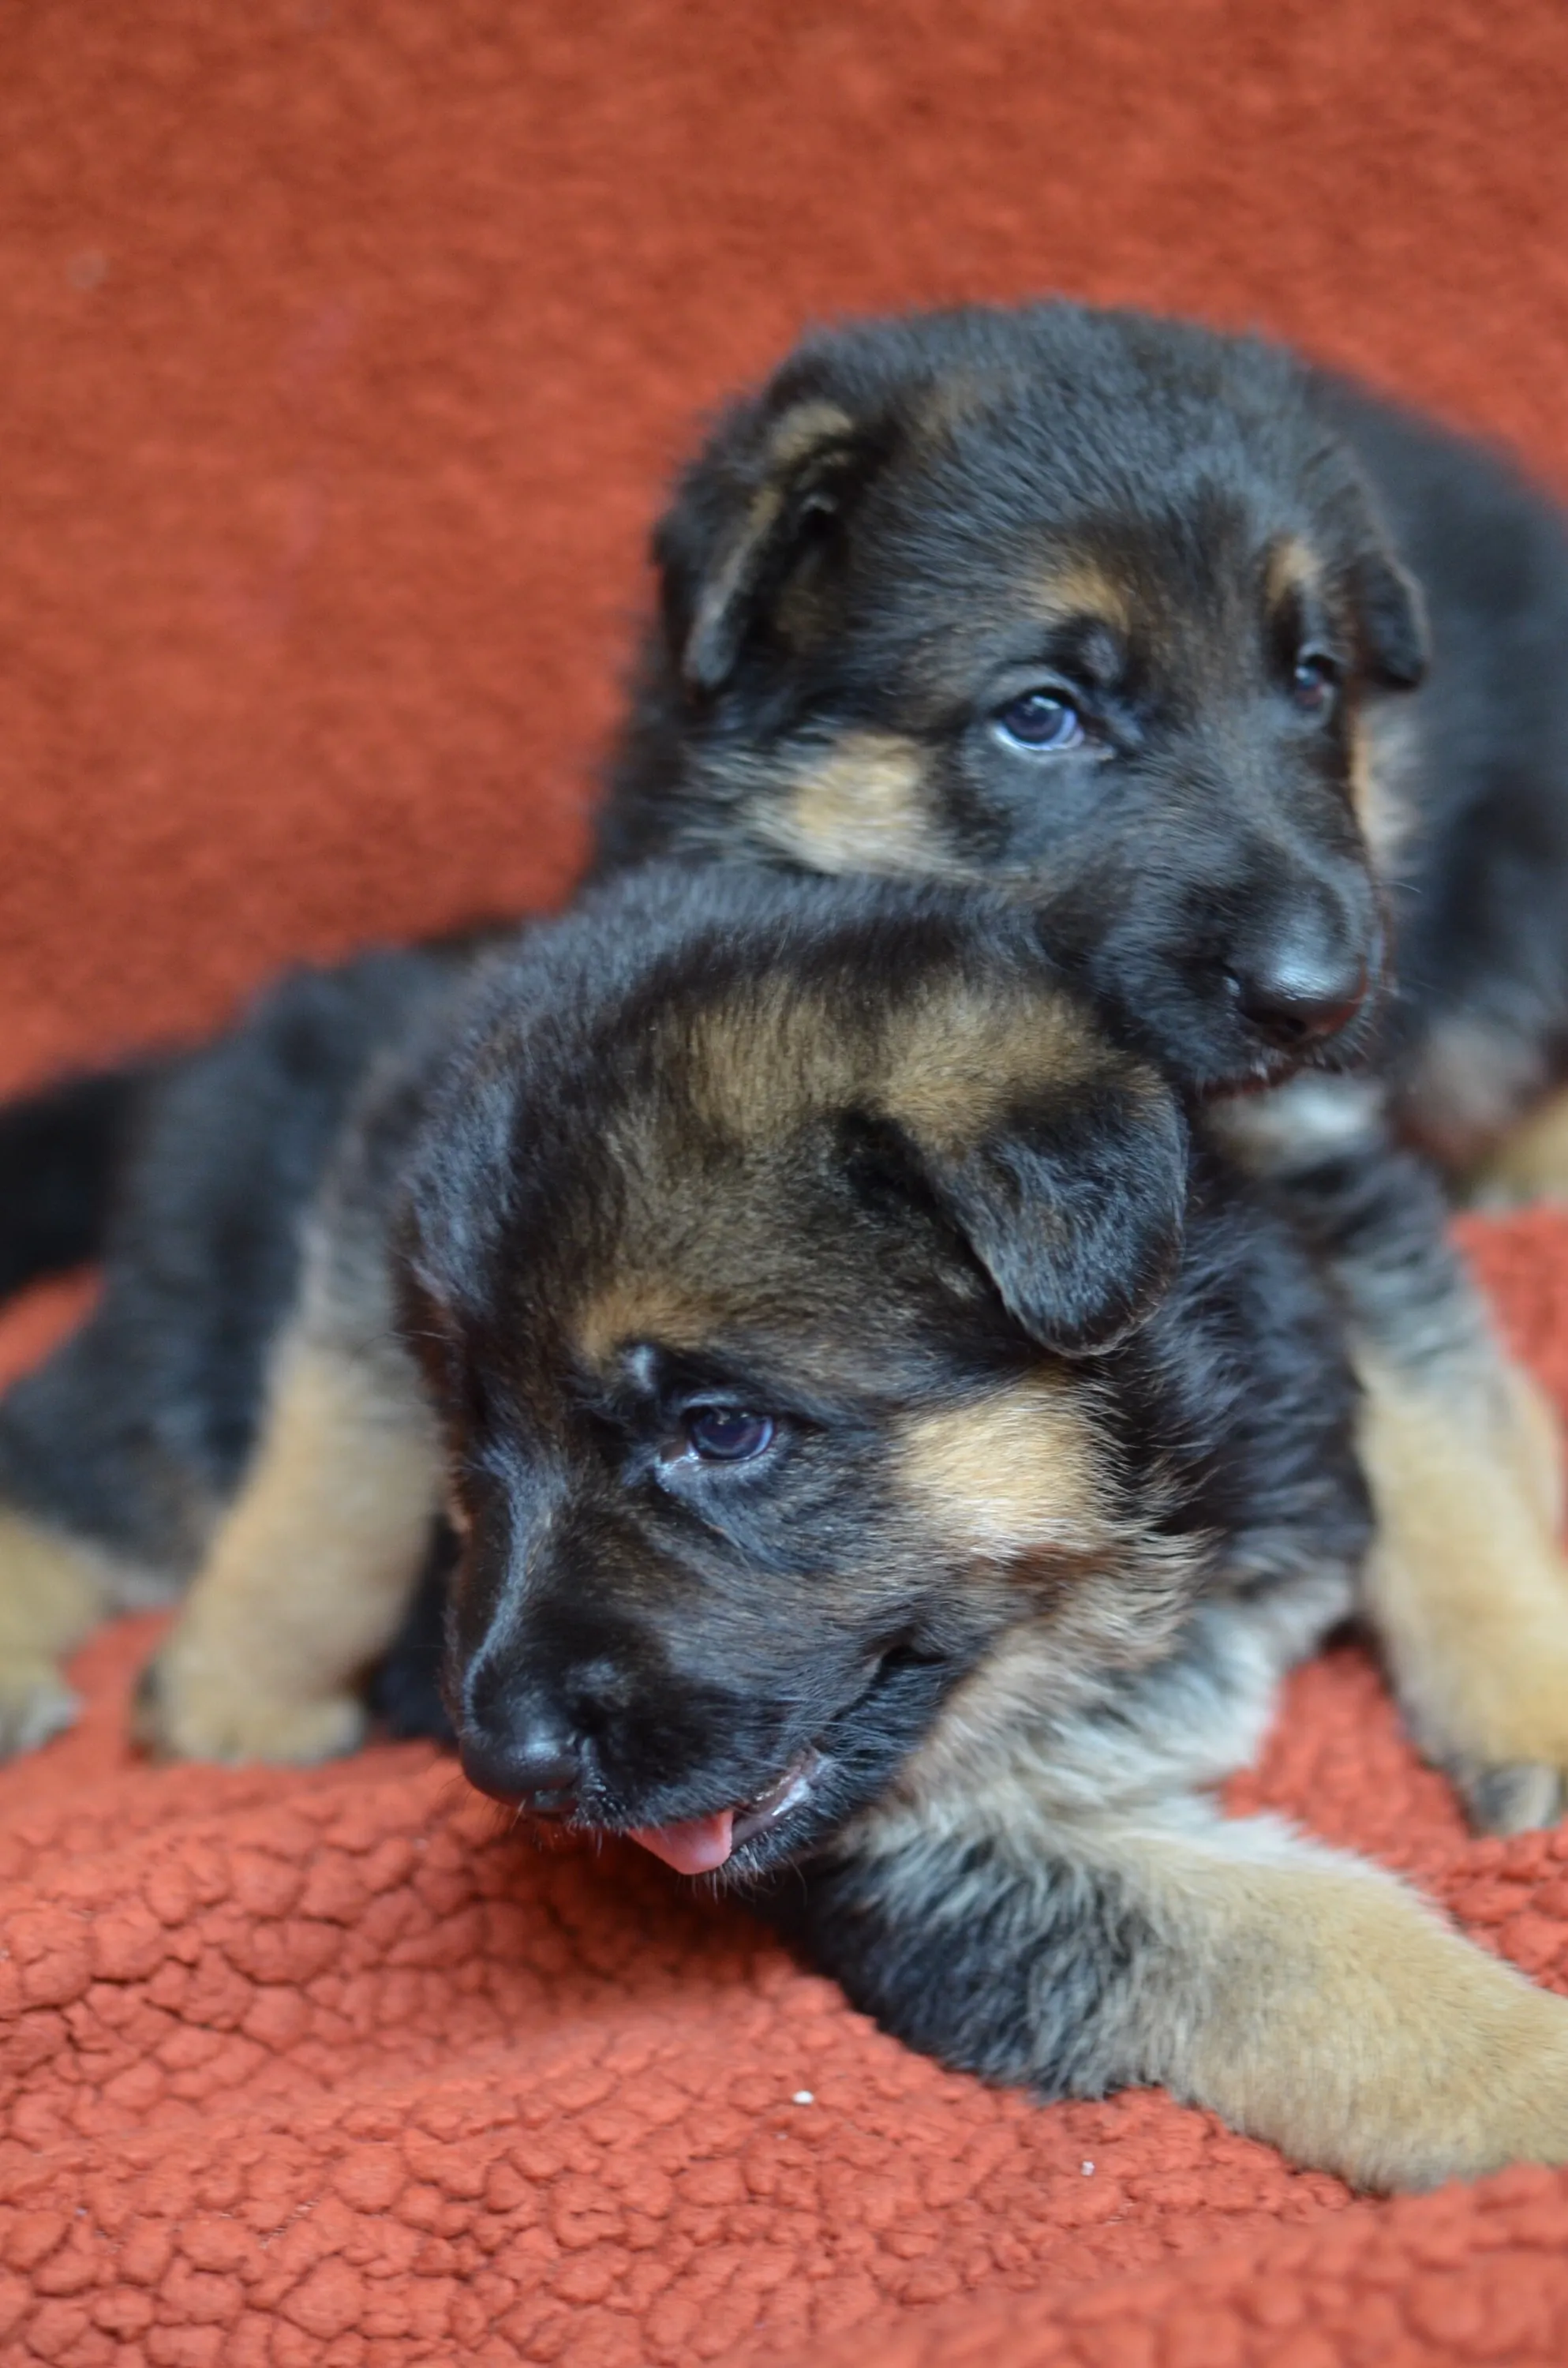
pixel 333 2067
pixel 346 343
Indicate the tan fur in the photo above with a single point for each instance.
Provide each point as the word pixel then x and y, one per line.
pixel 644 1308
pixel 1307 1997
pixel 1002 1476
pixel 949 1062
pixel 803 430
pixel 1382 751
pixel 1531 1163
pixel 1467 1584
pixel 758 1067
pixel 311 1573
pixel 1076 587
pixel 1472 1083
pixel 957 1058
pixel 1292 570
pixel 54 1590
pixel 1534 1445
pixel 861 806
pixel 1337 2017
pixel 1468 1587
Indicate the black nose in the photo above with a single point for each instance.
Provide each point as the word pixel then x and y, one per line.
pixel 534 1762
pixel 1296 993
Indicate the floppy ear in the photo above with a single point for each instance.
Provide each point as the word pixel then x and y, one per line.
pixel 745 517
pixel 1391 618
pixel 1062 1161
pixel 1076 1210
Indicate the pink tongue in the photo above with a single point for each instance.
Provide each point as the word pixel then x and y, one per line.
pixel 695 1848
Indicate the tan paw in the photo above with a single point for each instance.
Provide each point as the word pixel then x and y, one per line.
pixel 175 1716
pixel 1525 2115
pixel 1502 1734
pixel 35 1704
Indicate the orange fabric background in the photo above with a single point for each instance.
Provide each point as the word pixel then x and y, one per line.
pixel 346 347
pixel 348 342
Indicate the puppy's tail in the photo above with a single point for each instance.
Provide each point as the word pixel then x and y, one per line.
pixel 61 1154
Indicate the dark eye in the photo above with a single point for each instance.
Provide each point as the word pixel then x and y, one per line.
pixel 721 1434
pixel 1041 721
pixel 1314 678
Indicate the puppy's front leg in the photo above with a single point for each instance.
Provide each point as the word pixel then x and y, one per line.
pixel 312 1569
pixel 1307 1997
pixel 54 1590
pixel 1529 1162
pixel 1467 1585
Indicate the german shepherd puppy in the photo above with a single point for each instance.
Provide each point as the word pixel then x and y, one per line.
pixel 1102 611
pixel 894 1458
pixel 120 1456
pixel 1127 616
pixel 1250 685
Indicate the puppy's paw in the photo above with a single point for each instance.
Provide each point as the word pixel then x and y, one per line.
pixel 35 1704
pixel 1483 1682
pixel 1517 2112
pixel 177 1714
pixel 1503 1736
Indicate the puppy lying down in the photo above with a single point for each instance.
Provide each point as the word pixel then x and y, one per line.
pixel 894 1462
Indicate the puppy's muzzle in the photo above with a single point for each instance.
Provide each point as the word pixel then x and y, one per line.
pixel 536 1765
pixel 1295 1002
pixel 1302 977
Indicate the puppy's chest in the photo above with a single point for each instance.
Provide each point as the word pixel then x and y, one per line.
pixel 1028 1748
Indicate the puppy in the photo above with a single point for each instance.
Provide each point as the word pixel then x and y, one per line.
pixel 893 1465
pixel 1246 683
pixel 1132 617
pixel 1101 609
pixel 121 1455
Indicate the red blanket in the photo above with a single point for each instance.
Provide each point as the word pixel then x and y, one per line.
pixel 333 2069
pixel 346 343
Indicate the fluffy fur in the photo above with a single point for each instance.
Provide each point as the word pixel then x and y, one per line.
pixel 120 1456
pixel 1308 644
pixel 1029 1520
pixel 894 1452
pixel 1246 685
pixel 1111 613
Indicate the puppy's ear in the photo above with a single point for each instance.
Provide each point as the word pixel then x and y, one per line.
pixel 1076 1210
pixel 1390 617
pixel 748 518
pixel 1064 1165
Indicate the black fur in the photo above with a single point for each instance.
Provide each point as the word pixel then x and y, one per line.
pixel 1032 1972
pixel 1480 891
pixel 659 1643
pixel 405 1688
pixel 60 1153
pixel 1207 821
pixel 137 1428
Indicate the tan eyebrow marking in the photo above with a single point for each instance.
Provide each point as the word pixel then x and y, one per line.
pixel 1078 586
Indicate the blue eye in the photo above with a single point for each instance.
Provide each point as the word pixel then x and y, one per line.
pixel 722 1436
pixel 1041 721
pixel 1314 680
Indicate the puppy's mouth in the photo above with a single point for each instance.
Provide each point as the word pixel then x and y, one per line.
pixel 702 1845
pixel 825 1781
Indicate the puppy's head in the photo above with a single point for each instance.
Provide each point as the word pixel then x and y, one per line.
pixel 767 1252
pixel 1090 604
